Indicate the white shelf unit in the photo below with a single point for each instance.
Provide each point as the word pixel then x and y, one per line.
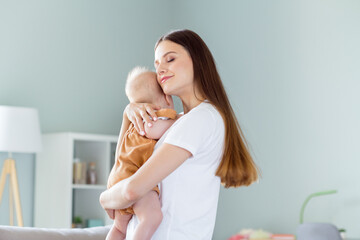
pixel 57 199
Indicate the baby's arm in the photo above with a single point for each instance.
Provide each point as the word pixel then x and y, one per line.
pixel 158 128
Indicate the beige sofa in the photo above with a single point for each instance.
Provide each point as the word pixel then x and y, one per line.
pixel 30 233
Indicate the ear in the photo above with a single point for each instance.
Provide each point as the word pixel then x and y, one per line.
pixel 169 100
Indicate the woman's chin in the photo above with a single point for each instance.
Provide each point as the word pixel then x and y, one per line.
pixel 167 91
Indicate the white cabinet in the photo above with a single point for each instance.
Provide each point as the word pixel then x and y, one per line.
pixel 57 199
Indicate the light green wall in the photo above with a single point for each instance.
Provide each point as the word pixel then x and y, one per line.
pixel 290 69
pixel 69 59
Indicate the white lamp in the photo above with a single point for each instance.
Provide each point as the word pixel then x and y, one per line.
pixel 19 132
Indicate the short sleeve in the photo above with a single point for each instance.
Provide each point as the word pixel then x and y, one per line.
pixel 193 131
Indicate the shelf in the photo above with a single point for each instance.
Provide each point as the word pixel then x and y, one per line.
pixel 55 167
pixel 89 186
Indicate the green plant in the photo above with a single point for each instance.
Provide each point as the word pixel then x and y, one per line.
pixel 77 220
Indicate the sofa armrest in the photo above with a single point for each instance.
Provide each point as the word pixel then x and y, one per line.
pixel 31 233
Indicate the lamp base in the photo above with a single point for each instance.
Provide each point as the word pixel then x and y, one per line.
pixel 317 231
pixel 10 169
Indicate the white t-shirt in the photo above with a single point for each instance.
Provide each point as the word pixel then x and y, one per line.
pixel 189 195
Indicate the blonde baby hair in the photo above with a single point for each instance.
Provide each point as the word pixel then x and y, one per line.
pixel 144 80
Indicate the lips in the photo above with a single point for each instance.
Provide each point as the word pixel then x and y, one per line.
pixel 164 79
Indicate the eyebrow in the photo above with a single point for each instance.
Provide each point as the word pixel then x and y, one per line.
pixel 164 56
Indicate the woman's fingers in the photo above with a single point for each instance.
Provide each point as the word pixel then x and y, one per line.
pixel 151 111
pixel 145 117
pixel 139 126
pixel 138 113
pixel 136 117
pixel 110 212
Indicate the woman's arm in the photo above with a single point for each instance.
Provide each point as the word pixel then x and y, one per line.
pixel 126 192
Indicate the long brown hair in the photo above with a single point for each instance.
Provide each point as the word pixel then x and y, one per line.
pixel 237 167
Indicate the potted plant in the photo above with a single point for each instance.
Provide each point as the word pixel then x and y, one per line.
pixel 342 233
pixel 77 222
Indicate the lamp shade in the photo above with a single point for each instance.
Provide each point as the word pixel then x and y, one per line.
pixel 19 130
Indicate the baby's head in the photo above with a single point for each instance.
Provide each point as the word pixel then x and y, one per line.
pixel 142 87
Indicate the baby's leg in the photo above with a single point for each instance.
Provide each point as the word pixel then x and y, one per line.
pixel 148 211
pixel 118 229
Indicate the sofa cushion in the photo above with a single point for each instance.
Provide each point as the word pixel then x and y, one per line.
pixel 31 233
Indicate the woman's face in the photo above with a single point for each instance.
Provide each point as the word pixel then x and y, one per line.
pixel 174 69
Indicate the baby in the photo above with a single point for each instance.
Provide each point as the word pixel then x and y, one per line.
pixel 141 86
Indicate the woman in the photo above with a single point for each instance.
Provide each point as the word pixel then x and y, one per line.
pixel 203 148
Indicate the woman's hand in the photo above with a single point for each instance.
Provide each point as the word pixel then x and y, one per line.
pixel 117 197
pixel 110 212
pixel 128 191
pixel 137 113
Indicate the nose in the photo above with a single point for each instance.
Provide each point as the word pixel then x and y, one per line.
pixel 160 70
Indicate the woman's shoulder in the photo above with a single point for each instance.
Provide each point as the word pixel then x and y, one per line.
pixel 203 118
pixel 205 110
pixel 198 129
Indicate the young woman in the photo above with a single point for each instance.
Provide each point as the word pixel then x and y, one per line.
pixel 203 148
